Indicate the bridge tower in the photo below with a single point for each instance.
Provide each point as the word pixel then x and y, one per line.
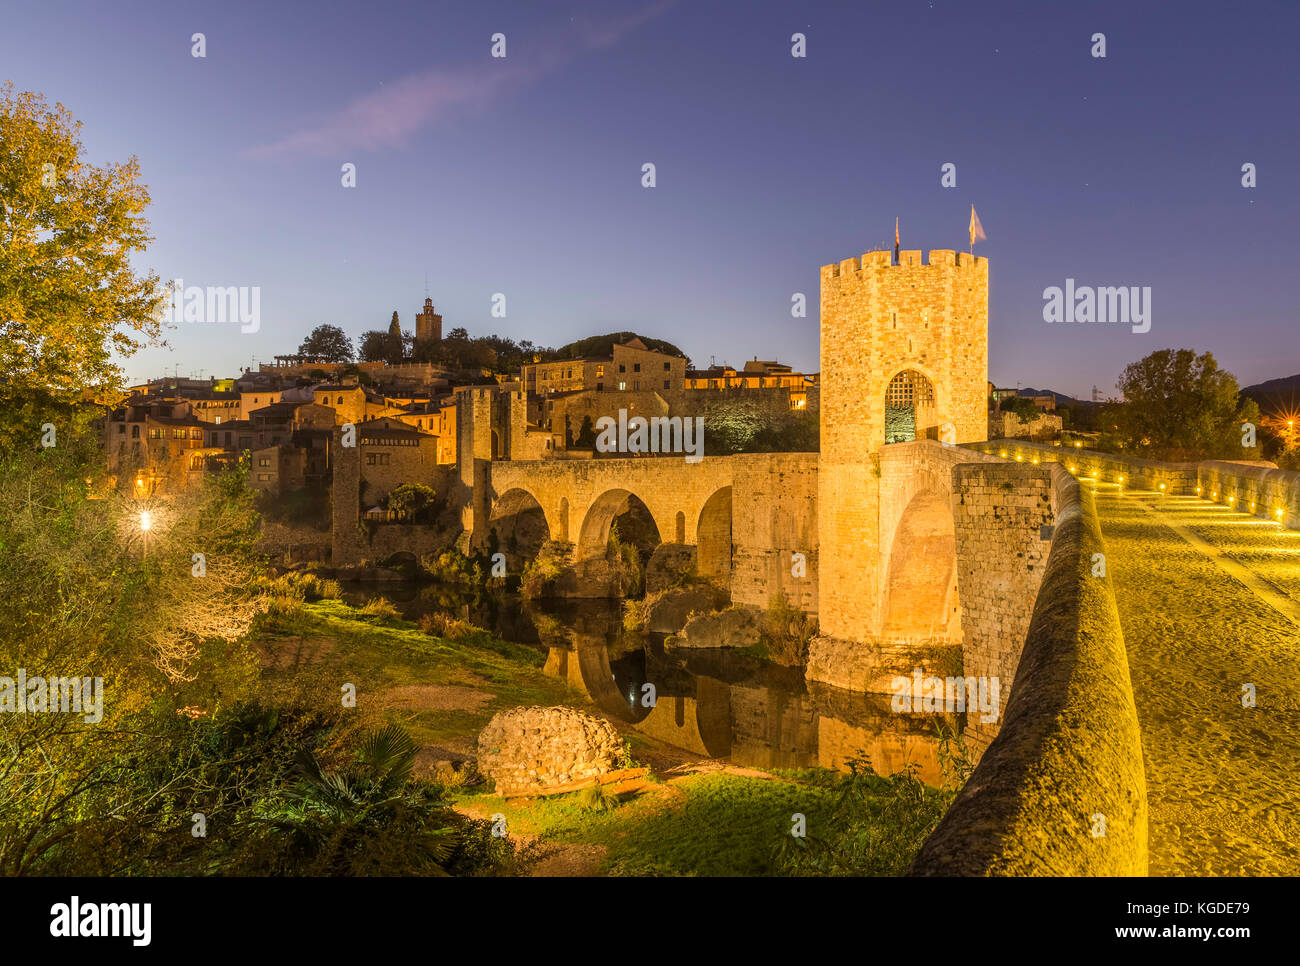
pixel 904 355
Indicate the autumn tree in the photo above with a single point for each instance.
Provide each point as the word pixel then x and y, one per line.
pixel 327 343
pixel 70 303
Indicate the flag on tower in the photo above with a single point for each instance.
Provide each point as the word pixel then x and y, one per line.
pixel 895 239
pixel 976 229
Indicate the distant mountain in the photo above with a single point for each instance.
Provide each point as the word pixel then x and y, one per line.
pixel 1287 384
pixel 1276 394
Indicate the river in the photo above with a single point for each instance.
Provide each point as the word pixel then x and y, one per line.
pixel 715 703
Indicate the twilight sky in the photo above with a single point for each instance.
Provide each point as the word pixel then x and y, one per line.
pixel 522 175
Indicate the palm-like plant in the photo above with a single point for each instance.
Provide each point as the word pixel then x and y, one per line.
pixel 361 820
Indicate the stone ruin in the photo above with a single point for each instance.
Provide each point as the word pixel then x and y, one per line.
pixel 534 749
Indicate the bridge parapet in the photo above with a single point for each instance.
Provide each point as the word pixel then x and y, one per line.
pixel 1068 756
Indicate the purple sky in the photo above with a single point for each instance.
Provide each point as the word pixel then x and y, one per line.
pixel 523 175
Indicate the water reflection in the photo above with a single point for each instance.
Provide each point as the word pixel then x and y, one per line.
pixel 714 703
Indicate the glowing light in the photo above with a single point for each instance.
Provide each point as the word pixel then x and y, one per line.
pixel 1071 469
pixel 1162 486
pixel 1035 460
pixel 1078 445
pixel 1094 473
pixel 1278 511
pixel 1121 479
pixel 1003 454
pixel 1198 489
pixel 146 521
pixel 1019 458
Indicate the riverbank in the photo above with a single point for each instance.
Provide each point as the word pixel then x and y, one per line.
pixel 697 816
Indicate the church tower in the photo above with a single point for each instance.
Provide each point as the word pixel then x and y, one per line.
pixel 428 324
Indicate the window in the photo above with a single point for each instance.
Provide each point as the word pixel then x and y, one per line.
pixel 667 383
pixel 217 419
pixel 622 386
pixel 264 477
pixel 636 385
pixel 636 367
pixel 600 387
pixel 340 400
pixel 600 371
pixel 667 367
pixel 622 368
pixel 178 434
pixel 264 461
pixel 121 428
pixel 370 459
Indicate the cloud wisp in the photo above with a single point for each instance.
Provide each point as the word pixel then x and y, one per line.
pixel 388 116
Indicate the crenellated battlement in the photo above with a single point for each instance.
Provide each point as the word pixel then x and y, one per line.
pixel 911 259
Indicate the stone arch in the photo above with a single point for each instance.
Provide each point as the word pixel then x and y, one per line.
pixel 520 524
pixel 920 595
pixel 713 536
pixel 593 539
pixel 911 406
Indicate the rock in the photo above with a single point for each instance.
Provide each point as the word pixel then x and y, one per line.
pixel 530 749
pixel 668 614
pixel 734 627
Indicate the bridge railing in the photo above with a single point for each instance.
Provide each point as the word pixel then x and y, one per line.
pixel 1061 790
pixel 1252 487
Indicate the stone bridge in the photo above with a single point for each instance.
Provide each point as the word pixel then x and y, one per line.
pixel 954 554
pixel 740 518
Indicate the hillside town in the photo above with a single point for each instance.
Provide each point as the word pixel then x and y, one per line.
pixel 171 430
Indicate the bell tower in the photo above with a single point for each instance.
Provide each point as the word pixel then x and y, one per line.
pixel 428 324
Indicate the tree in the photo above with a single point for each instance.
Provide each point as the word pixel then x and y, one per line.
pixel 1178 404
pixel 412 501
pixel 69 299
pixel 327 343
pixel 395 327
pixel 1022 407
pixel 86 597
pixel 376 346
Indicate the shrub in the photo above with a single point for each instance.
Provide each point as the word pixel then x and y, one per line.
pixel 380 609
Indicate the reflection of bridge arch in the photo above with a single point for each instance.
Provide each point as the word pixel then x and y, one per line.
pixel 520 524
pixel 920 595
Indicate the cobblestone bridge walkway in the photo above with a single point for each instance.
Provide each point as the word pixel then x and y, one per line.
pixel 1209 599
